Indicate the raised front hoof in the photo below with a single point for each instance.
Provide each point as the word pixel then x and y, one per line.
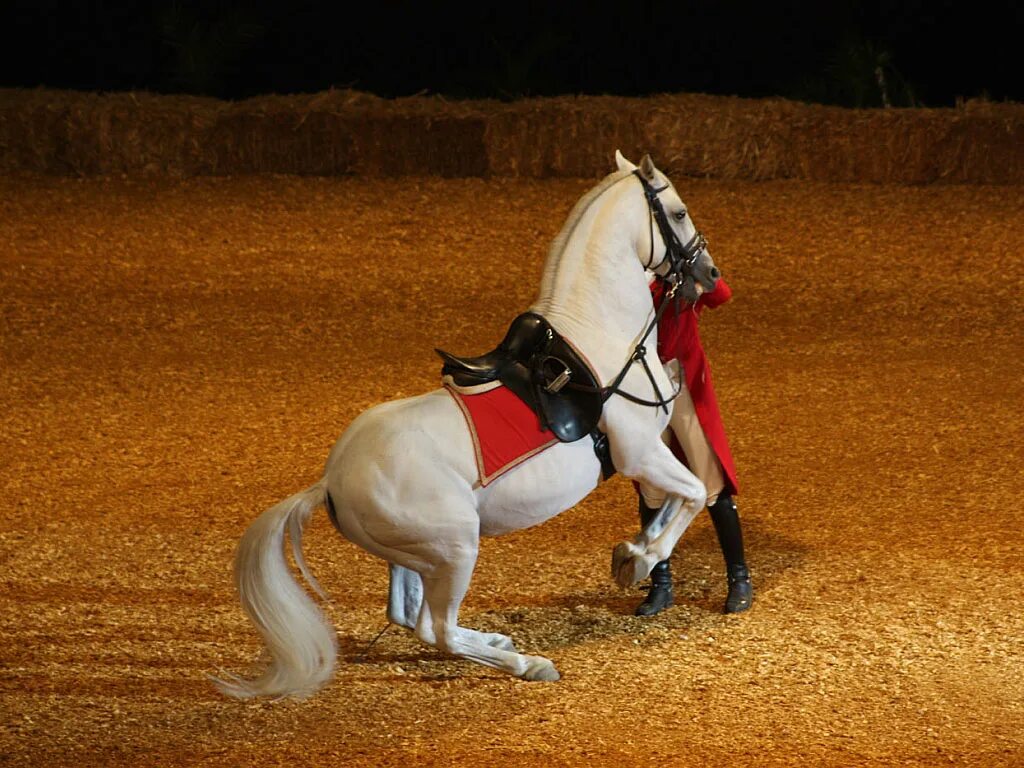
pixel 657 600
pixel 741 596
pixel 540 669
pixel 629 566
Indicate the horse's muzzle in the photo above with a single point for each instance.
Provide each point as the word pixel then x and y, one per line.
pixel 709 278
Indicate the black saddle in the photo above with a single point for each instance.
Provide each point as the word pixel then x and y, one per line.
pixel 543 370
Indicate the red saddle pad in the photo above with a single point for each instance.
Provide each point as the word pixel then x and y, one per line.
pixel 505 431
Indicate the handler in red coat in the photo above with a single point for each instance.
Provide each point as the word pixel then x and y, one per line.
pixel 699 441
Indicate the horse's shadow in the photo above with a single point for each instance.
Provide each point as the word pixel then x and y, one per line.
pixel 603 612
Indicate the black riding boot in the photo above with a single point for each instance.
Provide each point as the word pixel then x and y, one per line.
pixel 730 537
pixel 659 597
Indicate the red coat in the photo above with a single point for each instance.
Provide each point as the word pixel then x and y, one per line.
pixel 678 338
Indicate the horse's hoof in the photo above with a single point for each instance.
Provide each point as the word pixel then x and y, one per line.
pixel 624 552
pixel 629 565
pixel 632 572
pixel 540 669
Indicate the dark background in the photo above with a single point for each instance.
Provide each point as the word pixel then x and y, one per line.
pixel 929 52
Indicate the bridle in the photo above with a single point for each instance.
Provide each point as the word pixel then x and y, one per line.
pixel 681 259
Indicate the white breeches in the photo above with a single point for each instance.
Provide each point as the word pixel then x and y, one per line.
pixel 699 454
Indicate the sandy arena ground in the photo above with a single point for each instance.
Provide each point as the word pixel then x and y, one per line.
pixel 177 356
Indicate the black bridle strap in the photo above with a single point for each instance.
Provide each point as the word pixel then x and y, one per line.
pixel 640 353
pixel 680 257
pixel 650 205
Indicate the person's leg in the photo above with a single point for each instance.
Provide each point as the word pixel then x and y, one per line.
pixel 730 539
pixel 705 464
pixel 700 456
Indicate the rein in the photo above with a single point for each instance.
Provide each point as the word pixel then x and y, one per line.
pixel 640 354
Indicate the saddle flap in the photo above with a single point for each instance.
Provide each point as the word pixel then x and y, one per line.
pixel 569 394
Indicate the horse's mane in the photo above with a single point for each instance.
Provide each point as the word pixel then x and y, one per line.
pixel 560 242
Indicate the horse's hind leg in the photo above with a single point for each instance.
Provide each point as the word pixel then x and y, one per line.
pixel 443 591
pixel 405 601
pixel 405 596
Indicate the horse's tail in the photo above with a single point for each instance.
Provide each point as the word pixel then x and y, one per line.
pixel 300 640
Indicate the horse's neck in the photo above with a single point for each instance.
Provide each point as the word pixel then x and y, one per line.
pixel 596 295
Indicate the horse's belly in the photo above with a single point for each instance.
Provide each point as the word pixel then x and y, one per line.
pixel 405 470
pixel 540 488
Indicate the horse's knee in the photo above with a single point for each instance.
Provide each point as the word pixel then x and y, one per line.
pixel 447 637
pixel 439 634
pixel 699 499
pixel 652 497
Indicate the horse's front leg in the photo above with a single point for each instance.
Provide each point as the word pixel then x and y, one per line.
pixel 645 458
pixel 633 561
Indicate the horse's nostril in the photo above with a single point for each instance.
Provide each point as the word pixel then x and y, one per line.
pixel 715 274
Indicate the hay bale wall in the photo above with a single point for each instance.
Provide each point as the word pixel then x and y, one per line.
pixel 346 132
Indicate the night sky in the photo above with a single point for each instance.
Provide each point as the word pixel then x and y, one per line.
pixel 930 52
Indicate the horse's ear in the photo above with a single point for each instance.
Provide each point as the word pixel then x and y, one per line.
pixel 622 163
pixel 647 168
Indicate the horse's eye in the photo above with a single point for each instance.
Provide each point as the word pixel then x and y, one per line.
pixel 680 215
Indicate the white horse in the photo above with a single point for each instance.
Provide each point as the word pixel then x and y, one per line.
pixel 402 480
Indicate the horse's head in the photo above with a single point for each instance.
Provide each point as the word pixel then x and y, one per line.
pixel 682 253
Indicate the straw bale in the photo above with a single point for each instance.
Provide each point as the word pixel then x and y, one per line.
pixel 80 133
pixel 272 138
pixel 736 138
pixel 403 144
pixel 348 132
